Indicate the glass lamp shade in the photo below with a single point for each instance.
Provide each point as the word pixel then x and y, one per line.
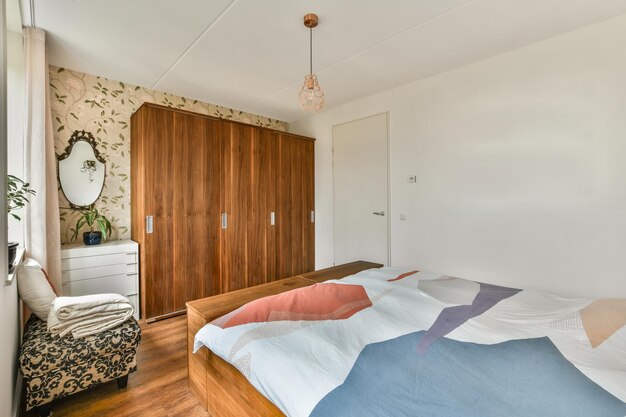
pixel 311 97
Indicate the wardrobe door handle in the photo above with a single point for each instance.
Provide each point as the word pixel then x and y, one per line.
pixel 224 221
pixel 149 224
pixel 272 218
pixel 312 216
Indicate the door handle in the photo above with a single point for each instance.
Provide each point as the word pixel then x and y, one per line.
pixel 149 224
pixel 224 221
pixel 272 218
pixel 379 213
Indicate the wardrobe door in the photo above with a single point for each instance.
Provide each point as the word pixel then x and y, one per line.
pixel 295 205
pixel 213 206
pixel 260 196
pixel 308 204
pixel 267 207
pixel 248 201
pixel 238 145
pixel 157 266
pixel 196 215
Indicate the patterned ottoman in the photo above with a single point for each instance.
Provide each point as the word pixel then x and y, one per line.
pixel 57 367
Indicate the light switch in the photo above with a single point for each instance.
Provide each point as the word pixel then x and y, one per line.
pixel 402 217
pixel 412 178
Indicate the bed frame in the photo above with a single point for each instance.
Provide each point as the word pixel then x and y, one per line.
pixel 219 386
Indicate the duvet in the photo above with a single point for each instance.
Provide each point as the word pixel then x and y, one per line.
pixel 394 342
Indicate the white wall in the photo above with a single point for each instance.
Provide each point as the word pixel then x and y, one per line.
pixel 7 336
pixel 9 304
pixel 521 166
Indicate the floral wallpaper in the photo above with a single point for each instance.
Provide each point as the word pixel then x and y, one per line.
pixel 103 107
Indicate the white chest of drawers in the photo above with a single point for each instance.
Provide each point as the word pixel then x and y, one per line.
pixel 110 267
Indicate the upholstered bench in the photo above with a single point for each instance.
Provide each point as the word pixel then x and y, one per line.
pixel 57 367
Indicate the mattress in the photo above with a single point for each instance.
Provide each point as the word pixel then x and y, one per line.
pixel 400 342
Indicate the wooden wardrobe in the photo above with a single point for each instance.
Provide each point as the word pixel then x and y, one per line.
pixel 216 206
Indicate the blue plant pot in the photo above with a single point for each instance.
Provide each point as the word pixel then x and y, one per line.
pixel 92 238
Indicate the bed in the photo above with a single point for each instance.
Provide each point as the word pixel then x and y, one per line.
pixel 402 342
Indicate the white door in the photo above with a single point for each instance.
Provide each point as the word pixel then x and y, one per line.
pixel 361 212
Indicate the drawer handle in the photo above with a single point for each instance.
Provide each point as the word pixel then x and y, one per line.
pixel 131 253
pixel 134 263
pixel 130 275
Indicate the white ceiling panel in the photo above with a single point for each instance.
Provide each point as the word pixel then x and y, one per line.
pixel 252 55
pixel 135 41
pixel 460 37
pixel 258 47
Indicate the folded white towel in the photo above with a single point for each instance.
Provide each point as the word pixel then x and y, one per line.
pixel 86 326
pixel 87 315
pixel 71 307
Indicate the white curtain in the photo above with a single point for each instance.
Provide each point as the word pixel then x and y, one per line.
pixel 41 221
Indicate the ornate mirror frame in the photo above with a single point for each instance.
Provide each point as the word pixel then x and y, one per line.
pixel 80 136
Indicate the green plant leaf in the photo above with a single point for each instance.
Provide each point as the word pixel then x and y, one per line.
pixel 91 217
pixel 18 193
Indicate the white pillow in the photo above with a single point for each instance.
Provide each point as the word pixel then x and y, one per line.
pixel 34 288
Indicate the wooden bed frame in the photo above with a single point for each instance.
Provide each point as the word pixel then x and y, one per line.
pixel 219 386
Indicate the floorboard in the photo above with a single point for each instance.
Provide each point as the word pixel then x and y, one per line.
pixel 157 389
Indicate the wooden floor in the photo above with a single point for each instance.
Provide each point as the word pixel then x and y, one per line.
pixel 158 388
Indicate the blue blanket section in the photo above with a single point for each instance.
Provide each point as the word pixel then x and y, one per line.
pixel 518 378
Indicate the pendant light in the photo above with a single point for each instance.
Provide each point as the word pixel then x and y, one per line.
pixel 311 96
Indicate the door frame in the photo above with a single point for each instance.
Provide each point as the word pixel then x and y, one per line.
pixel 388 206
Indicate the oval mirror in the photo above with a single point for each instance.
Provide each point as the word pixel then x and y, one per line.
pixel 81 170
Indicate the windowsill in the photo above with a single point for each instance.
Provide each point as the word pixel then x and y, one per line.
pixel 19 257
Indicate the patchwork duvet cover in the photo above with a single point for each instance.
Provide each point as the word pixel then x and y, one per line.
pixel 390 342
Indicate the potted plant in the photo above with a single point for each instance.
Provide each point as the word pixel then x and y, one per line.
pixel 18 193
pixel 99 226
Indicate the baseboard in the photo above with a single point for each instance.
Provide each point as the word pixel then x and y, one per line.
pixel 17 398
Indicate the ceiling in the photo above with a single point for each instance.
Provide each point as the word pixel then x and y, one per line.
pixel 252 55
